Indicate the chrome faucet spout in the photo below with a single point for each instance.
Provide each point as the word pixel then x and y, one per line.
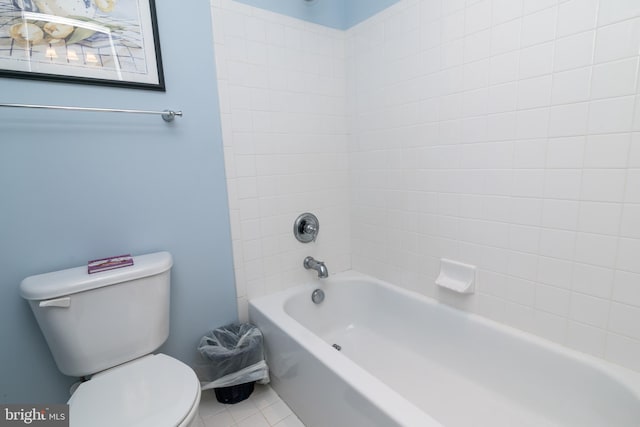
pixel 312 264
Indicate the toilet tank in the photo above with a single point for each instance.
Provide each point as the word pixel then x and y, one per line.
pixel 93 322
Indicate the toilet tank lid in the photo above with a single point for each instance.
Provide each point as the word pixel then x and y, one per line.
pixel 74 280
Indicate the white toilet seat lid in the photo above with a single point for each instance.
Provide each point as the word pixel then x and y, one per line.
pixel 152 391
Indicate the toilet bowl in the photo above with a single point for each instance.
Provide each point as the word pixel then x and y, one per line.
pixel 152 391
pixel 105 326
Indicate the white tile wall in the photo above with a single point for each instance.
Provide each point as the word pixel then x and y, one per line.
pixel 522 159
pixel 282 86
pixel 502 133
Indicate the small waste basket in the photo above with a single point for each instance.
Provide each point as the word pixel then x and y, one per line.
pixel 233 360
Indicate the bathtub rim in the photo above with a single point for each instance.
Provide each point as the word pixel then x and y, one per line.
pixel 274 304
pixel 388 401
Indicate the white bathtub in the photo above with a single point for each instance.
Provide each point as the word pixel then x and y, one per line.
pixel 407 360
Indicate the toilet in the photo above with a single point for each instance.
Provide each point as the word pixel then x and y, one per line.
pixel 105 326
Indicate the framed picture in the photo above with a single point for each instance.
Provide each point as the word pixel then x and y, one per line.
pixel 104 42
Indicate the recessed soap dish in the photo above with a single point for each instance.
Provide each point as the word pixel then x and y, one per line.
pixel 457 276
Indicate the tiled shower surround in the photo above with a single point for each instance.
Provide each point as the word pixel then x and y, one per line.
pixel 500 133
pixel 282 85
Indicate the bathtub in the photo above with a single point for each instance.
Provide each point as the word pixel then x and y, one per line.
pixel 407 360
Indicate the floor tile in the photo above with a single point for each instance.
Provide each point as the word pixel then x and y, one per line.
pixel 264 396
pixel 290 421
pixel 255 420
pixel 209 405
pixel 242 410
pixel 276 412
pixel 221 419
pixel 264 408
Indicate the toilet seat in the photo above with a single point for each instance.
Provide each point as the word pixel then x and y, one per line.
pixel 152 391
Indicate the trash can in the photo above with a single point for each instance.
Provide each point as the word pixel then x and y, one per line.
pixel 233 360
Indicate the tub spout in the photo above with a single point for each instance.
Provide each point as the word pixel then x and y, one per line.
pixel 311 264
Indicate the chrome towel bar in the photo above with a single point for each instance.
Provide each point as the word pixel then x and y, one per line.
pixel 167 115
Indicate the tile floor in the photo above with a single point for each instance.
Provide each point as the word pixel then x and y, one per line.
pixel 263 408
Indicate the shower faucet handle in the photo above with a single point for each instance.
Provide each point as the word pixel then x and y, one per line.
pixel 306 227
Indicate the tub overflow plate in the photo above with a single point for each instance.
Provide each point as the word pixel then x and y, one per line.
pixel 317 296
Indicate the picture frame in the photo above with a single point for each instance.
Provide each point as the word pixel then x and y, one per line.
pixel 98 42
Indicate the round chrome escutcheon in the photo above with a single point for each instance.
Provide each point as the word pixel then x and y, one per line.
pixel 317 296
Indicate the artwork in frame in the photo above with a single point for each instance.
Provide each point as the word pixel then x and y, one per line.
pixel 105 42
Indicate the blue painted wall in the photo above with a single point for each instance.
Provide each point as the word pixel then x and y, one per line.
pixel 340 14
pixel 77 186
pixel 357 11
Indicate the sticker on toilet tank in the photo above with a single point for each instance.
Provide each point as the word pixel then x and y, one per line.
pixel 104 264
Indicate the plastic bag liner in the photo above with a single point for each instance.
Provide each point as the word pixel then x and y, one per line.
pixel 232 355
